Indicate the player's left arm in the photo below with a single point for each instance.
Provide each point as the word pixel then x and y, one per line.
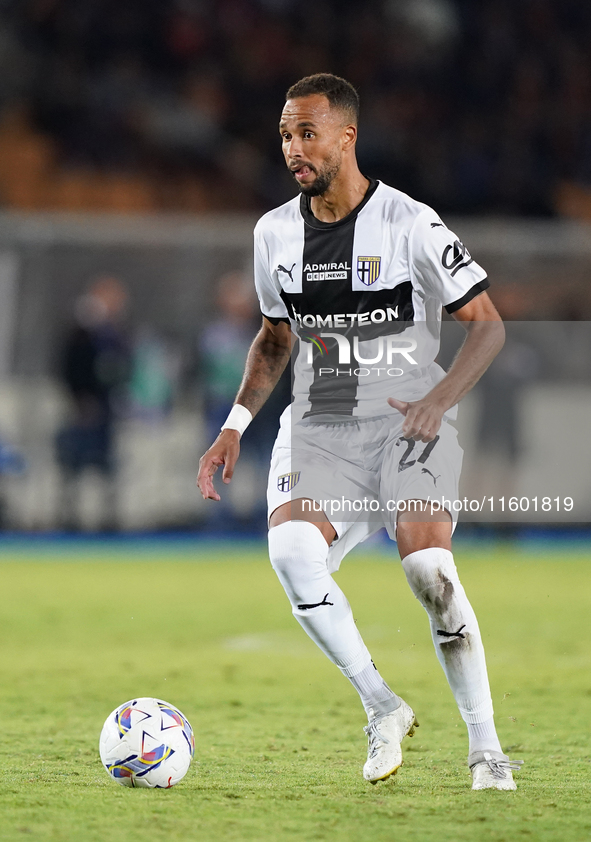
pixel 485 336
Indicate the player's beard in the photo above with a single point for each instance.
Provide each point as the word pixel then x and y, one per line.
pixel 323 180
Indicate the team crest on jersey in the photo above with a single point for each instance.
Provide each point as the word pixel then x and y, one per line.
pixel 288 481
pixel 368 269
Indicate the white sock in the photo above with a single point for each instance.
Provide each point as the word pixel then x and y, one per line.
pixel 376 696
pixel 298 553
pixel 483 736
pixel 434 580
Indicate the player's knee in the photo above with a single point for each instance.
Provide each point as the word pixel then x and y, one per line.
pixel 298 553
pixel 421 530
pixel 432 576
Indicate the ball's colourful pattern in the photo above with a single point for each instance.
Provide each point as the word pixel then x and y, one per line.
pixel 180 720
pixel 123 717
pixel 148 743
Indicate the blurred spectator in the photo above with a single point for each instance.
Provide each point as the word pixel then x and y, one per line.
pixel 94 369
pixel 224 345
pixel 470 106
pixel 155 369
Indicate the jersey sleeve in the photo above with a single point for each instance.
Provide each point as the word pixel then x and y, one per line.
pixel 441 265
pixel 268 291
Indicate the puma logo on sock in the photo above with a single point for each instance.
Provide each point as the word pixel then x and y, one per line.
pixel 317 604
pixel 449 634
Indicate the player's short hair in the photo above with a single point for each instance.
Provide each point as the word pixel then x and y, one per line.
pixel 339 93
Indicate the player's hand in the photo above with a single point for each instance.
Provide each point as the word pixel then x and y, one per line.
pixel 224 451
pixel 422 418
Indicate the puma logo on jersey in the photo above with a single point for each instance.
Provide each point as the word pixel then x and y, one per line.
pixel 437 225
pixel 281 268
pixel 435 478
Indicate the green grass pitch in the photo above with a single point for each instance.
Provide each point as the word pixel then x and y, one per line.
pixel 278 729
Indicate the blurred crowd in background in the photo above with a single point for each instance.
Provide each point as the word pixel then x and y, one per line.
pixel 123 338
pixel 111 371
pixel 470 105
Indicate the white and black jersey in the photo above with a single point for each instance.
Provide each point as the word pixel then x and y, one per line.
pixel 364 295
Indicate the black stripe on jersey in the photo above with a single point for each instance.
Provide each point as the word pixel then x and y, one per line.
pixel 328 253
pixel 333 244
pixel 465 299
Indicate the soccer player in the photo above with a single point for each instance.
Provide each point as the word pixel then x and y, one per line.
pixel 359 273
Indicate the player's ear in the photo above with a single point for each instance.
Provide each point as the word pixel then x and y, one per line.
pixel 349 136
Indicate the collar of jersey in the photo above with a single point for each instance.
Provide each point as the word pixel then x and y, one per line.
pixel 311 220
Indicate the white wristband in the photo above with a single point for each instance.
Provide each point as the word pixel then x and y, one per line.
pixel 238 419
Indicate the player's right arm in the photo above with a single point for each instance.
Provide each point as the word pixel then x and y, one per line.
pixel 266 361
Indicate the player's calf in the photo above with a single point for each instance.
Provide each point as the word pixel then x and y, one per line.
pixel 433 578
pixel 298 553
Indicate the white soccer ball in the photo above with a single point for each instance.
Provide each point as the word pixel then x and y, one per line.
pixel 147 742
